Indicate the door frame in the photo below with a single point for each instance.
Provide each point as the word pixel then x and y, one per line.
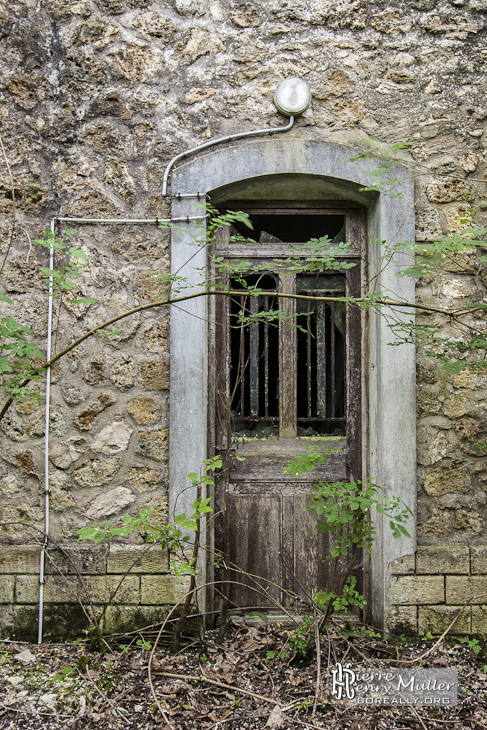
pixel 347 464
pixel 296 167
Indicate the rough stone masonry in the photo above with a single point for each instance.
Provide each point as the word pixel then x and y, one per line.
pixel 95 99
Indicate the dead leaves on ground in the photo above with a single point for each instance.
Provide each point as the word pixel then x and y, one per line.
pixel 242 685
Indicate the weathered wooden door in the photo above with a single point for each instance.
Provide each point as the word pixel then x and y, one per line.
pixel 283 383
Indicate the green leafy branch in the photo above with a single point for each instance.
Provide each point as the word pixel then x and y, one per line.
pixel 344 510
pixel 171 537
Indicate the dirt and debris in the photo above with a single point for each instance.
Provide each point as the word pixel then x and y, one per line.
pixel 251 681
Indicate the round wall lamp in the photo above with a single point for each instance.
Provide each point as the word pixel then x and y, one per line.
pixel 292 97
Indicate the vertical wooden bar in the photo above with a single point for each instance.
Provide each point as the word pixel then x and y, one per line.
pixel 287 362
pixel 320 360
pixel 266 360
pixel 241 360
pixel 254 360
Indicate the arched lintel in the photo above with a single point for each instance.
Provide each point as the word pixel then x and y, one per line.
pixel 292 187
pixel 329 168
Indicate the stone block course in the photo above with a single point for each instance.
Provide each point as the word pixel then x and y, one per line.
pixel 403 620
pixel 432 560
pixel 163 589
pixel 403 566
pixel 122 558
pixel 129 618
pixel 463 588
pixel 101 589
pixel 7 583
pixel 478 559
pixel 479 620
pixel 57 589
pixel 436 619
pixel 88 560
pixel 19 559
pixel 415 589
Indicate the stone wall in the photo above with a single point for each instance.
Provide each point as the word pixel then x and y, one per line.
pixel 97 97
pixel 431 587
pixel 81 581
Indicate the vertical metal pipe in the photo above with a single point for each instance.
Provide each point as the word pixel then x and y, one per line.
pixel 320 360
pixel 46 446
pixel 332 358
pixel 254 360
pixel 266 359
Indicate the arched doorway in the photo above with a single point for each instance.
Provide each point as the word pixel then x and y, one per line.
pixel 297 171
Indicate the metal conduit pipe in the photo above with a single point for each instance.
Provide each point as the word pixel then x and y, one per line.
pixel 132 221
pixel 93 221
pixel 220 140
pixel 46 447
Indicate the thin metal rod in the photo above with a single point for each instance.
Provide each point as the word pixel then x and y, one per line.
pixel 220 140
pixel 332 357
pixel 199 196
pixel 320 359
pixel 254 360
pixel 46 445
pixel 134 221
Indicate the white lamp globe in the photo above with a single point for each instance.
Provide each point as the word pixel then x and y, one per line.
pixel 292 97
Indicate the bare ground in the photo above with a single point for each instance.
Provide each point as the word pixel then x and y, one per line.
pixel 247 683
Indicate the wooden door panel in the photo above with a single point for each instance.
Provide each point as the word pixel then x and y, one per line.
pixel 265 461
pixel 310 548
pixel 274 537
pixel 255 541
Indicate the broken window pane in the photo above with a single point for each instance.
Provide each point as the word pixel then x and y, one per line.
pixel 254 359
pixel 321 358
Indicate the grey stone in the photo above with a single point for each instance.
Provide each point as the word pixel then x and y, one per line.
pixel 25 657
pixel 153 443
pixel 97 473
pixel 64 453
pixel 113 439
pixel 434 560
pixel 122 373
pixel 110 503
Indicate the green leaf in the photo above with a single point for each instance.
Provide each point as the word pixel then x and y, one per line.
pixel 454 367
pixel 189 525
pixel 83 300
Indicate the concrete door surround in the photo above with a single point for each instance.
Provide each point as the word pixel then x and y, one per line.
pixel 292 167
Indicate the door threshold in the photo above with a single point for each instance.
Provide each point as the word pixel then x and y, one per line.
pixel 263 616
